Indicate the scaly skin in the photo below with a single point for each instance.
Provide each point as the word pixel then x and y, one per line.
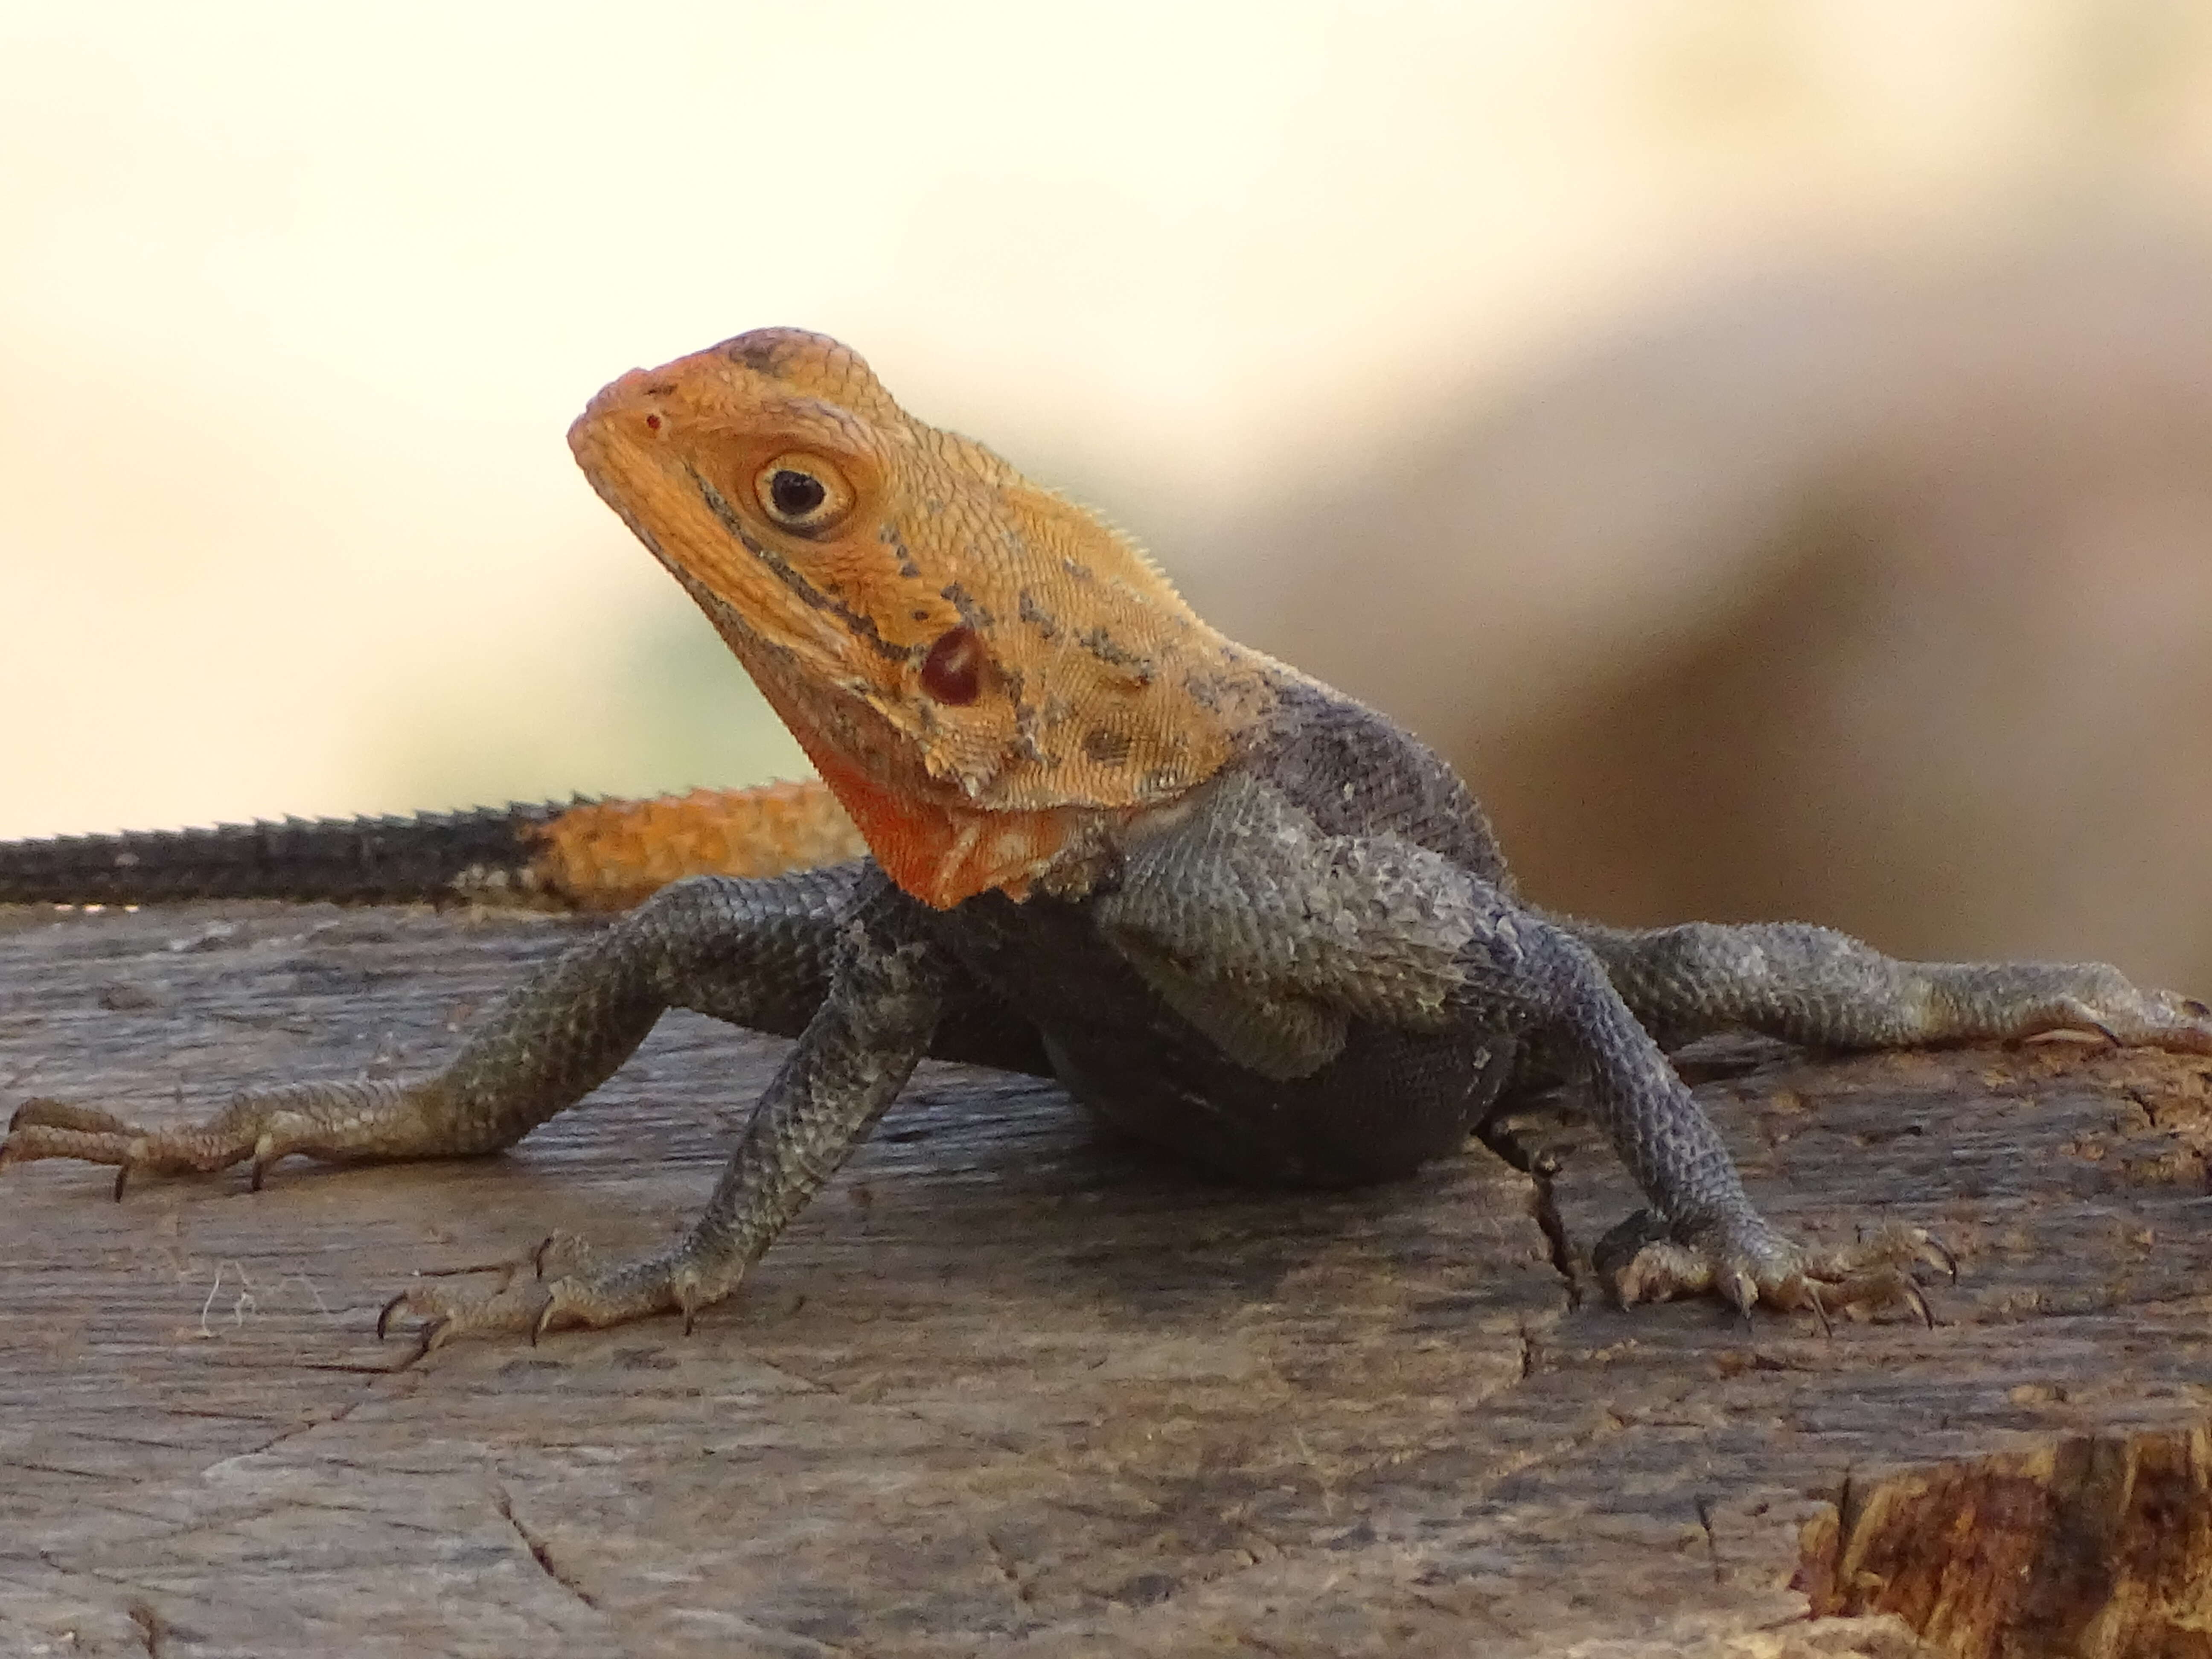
pixel 1226 906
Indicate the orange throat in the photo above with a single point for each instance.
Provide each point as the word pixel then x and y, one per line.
pixel 942 852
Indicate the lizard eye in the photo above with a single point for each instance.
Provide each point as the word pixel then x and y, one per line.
pixel 803 494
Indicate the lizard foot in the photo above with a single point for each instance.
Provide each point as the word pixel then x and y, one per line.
pixel 51 1129
pixel 2101 1000
pixel 579 1295
pixel 1745 1262
pixel 321 1120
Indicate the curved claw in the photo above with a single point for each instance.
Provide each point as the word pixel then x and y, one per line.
pixel 542 1319
pixel 1819 1309
pixel 384 1314
pixel 1740 1291
pixel 432 1334
pixel 537 1257
pixel 1912 1293
pixel 122 1178
pixel 266 1152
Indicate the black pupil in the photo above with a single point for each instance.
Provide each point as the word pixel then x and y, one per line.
pixel 794 494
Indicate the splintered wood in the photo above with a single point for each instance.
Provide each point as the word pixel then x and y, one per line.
pixel 1012 1388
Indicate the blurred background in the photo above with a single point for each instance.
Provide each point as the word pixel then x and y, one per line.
pixel 1768 447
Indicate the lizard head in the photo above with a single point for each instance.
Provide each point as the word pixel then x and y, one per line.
pixel 988 677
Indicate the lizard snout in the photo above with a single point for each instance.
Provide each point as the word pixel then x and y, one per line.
pixel 627 398
pixel 628 394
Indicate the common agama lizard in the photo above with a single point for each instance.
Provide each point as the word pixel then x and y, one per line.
pixel 1228 908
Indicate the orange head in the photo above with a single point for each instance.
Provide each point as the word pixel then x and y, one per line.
pixel 988 677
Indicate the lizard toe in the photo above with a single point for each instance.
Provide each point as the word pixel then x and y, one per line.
pixel 531 1306
pixel 39 1113
pixel 513 1309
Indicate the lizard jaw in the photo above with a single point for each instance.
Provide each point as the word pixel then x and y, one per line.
pixel 942 853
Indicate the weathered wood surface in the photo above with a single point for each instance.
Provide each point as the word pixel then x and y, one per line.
pixel 1013 1388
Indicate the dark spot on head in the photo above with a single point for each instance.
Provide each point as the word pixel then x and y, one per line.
pixel 1205 691
pixel 652 423
pixel 890 537
pixel 952 673
pixel 1037 616
pixel 1109 650
pixel 921 616
pixel 751 352
pixel 973 611
pixel 1106 745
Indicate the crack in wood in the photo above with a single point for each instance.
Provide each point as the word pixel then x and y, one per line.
pixel 505 1504
pixel 150 1627
pixel 1704 1508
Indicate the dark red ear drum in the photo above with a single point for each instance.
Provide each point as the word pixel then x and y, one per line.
pixel 952 673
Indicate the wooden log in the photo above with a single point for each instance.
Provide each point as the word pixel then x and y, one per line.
pixel 1013 1387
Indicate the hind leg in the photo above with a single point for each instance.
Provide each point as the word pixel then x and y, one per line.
pixel 1815 986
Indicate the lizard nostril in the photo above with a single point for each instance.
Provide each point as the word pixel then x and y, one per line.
pixel 652 423
pixel 953 671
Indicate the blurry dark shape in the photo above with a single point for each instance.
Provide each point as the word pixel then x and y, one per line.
pixel 1886 603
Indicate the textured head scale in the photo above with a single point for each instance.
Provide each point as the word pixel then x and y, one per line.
pixel 985 673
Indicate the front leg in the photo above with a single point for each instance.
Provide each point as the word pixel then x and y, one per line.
pixel 889 988
pixel 1270 936
pixel 1818 987
pixel 1701 1234
pixel 757 952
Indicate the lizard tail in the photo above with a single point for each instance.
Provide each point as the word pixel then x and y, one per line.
pixel 576 855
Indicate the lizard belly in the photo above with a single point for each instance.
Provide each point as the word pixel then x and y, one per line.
pixel 1390 1101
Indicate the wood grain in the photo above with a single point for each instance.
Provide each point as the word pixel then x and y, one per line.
pixel 1014 1388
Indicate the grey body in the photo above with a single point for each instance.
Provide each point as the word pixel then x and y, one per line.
pixel 1389 1099
pixel 1386 1103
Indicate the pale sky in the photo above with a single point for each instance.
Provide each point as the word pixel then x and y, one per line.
pixel 297 301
